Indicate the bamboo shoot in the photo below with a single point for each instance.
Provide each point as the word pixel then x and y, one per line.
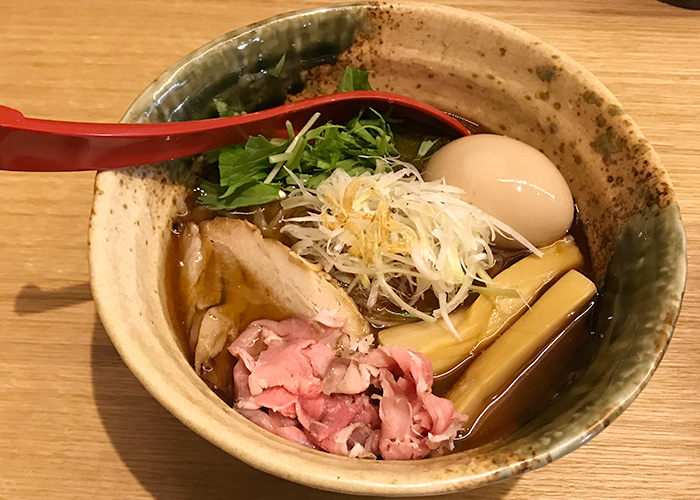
pixel 481 323
pixel 499 365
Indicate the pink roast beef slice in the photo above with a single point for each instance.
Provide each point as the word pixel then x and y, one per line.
pixel 291 381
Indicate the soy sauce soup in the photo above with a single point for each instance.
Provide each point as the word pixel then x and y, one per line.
pixel 545 376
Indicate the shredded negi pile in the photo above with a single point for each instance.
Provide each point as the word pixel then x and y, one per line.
pixel 391 224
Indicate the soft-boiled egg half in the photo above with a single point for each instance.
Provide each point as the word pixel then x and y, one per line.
pixel 510 181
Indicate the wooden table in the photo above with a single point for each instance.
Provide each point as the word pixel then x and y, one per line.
pixel 74 422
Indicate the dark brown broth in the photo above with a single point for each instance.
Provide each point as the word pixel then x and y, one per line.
pixel 521 400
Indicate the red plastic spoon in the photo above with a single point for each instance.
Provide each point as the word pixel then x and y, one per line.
pixel 53 146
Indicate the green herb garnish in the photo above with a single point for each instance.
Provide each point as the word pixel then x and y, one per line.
pixel 354 79
pixel 425 148
pixel 261 170
pixel 277 70
pixel 225 110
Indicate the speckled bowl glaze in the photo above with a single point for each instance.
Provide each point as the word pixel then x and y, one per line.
pixel 474 66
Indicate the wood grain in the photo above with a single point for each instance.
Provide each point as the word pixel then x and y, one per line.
pixel 74 421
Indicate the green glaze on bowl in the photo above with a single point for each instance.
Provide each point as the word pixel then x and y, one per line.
pixel 490 72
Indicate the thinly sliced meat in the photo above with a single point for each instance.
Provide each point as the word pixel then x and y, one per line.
pixel 200 281
pixel 400 438
pixel 369 405
pixel 284 427
pixel 289 281
pixel 348 376
pixel 216 332
pixel 297 365
pixel 212 361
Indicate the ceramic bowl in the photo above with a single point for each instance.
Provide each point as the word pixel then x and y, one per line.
pixel 476 67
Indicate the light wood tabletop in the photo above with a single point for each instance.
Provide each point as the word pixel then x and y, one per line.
pixel 74 422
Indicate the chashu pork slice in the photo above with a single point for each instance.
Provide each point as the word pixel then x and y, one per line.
pixel 289 282
pixel 201 283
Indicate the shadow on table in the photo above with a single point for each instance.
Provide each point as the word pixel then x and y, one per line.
pixel 31 299
pixel 172 462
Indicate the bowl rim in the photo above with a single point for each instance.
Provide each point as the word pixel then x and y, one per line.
pixel 325 480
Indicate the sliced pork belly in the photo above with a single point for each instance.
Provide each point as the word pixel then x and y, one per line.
pixel 199 279
pixel 212 361
pixel 287 281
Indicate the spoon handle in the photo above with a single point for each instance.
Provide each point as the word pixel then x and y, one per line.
pixel 28 144
pixel 54 146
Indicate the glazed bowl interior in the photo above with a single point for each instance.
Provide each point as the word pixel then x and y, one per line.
pixel 478 68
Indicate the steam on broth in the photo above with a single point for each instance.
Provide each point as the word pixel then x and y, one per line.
pixel 246 304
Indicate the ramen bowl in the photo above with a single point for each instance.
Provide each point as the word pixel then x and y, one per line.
pixel 490 72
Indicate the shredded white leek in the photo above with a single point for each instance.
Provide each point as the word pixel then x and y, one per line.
pixel 392 224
